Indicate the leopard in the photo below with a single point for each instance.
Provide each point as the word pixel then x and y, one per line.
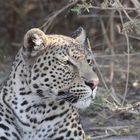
pixel 51 79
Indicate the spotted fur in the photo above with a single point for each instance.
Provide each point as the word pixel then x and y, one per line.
pixel 49 80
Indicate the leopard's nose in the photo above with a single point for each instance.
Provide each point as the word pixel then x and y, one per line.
pixel 92 84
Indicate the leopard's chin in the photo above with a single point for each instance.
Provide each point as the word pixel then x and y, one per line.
pixel 84 103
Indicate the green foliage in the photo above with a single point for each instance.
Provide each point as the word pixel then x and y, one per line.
pixel 76 10
pixel 80 8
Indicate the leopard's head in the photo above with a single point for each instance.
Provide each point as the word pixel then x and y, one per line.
pixel 59 67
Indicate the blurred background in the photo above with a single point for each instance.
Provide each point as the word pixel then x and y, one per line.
pixel 113 31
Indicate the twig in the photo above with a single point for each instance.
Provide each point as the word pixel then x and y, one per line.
pixel 128 62
pixel 98 15
pixel 102 78
pixel 137 5
pixel 110 47
pixel 128 69
pixel 126 109
pixel 132 36
pixel 116 69
pixel 112 127
pixel 118 4
pixel 114 8
pixel 112 39
pixel 105 34
pixel 101 137
pixel 49 20
pixel 116 55
pixel 113 95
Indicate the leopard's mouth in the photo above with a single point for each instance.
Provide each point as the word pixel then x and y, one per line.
pixel 85 102
pixel 72 98
pixel 92 95
pixel 67 96
pixel 94 92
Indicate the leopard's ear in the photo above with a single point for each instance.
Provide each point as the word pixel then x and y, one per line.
pixel 34 42
pixel 79 35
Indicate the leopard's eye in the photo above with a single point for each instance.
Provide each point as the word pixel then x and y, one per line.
pixel 67 62
pixel 89 61
pixel 64 62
